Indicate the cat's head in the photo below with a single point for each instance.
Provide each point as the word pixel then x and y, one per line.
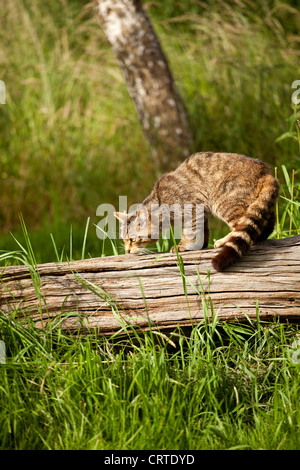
pixel 136 230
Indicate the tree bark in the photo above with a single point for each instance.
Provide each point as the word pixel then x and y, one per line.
pixel 113 293
pixel 149 80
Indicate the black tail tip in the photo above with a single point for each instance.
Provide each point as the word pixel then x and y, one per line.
pixel 225 258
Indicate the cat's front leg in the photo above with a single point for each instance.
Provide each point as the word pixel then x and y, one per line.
pixel 185 244
pixel 195 235
pixel 180 247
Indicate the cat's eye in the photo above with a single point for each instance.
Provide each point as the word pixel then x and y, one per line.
pixel 133 240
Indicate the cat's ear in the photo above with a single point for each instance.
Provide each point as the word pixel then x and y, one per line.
pixel 121 216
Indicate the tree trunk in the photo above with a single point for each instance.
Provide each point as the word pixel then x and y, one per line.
pixel 149 80
pixel 113 293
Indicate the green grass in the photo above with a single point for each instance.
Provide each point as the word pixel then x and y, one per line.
pixel 224 386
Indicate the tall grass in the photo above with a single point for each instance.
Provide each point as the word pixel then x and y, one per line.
pixel 225 386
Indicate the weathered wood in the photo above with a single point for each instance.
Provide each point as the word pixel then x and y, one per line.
pixel 112 292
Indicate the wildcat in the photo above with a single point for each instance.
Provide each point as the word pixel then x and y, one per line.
pixel 239 190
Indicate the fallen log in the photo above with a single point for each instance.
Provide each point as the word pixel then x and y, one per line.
pixel 160 291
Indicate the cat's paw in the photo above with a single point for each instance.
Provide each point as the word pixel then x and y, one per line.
pixel 179 249
pixel 222 241
pixel 218 243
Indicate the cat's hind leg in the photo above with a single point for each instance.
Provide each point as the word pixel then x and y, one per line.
pixel 256 224
pixel 222 241
pixel 268 229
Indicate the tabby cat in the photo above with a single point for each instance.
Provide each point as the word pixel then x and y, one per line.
pixel 239 190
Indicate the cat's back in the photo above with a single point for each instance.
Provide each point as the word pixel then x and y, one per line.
pixel 214 174
pixel 218 163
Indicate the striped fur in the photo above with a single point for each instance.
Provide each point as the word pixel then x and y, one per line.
pixel 237 189
pixel 256 224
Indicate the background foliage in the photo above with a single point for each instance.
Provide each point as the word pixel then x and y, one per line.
pixel 70 136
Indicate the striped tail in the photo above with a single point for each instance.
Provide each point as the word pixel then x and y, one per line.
pixel 256 225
